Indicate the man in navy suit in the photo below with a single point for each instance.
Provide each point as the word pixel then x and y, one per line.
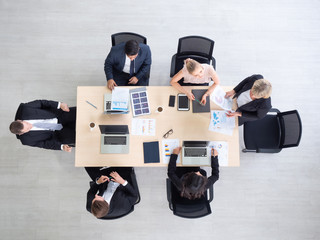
pixel 128 64
pixel 45 124
pixel 110 195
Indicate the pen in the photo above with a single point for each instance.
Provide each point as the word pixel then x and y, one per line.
pixel 198 101
pixel 92 104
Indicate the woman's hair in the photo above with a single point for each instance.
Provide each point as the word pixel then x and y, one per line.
pixel 99 208
pixel 193 185
pixel 16 127
pixel 261 88
pixel 191 65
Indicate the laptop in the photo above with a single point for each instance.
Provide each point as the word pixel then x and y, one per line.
pixel 107 101
pixel 196 153
pixel 114 139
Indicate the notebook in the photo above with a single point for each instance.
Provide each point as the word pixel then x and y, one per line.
pixel 196 106
pixel 151 152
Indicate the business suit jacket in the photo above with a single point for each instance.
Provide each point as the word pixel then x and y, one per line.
pixel 255 109
pixel 121 202
pixel 178 181
pixel 40 109
pixel 116 59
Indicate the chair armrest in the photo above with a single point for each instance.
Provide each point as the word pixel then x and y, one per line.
pixel 210 193
pixel 135 185
pixel 266 150
pixel 173 65
pixel 274 110
pixel 169 196
pixel 213 63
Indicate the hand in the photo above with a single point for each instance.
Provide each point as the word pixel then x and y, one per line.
pixel 133 80
pixel 117 178
pixel 214 152
pixel 233 114
pixel 176 150
pixel 111 84
pixel 190 96
pixel 103 179
pixel 204 99
pixel 64 107
pixel 230 94
pixel 66 148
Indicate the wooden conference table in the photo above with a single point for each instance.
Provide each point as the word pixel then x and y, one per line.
pixel 186 125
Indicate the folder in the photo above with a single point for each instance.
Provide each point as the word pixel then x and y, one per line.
pixel 196 106
pixel 151 152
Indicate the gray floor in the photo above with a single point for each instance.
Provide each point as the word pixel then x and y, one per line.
pixel 48 48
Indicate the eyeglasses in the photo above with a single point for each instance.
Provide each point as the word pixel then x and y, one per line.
pixel 168 133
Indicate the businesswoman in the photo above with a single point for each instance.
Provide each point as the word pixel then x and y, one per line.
pixel 188 180
pixel 253 99
pixel 193 74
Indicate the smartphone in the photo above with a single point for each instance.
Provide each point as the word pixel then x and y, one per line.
pixel 172 100
pixel 183 102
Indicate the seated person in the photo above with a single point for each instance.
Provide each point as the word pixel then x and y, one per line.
pixel 45 124
pixel 253 99
pixel 188 180
pixel 128 64
pixel 194 74
pixel 110 197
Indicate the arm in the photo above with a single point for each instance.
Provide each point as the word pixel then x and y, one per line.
pixel 146 65
pixel 216 80
pixel 176 85
pixel 131 193
pixel 214 170
pixel 246 80
pixel 37 139
pixel 261 112
pixel 42 104
pixel 172 171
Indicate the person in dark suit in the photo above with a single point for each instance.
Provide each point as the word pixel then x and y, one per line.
pixel 253 99
pixel 45 124
pixel 188 180
pixel 128 64
pixel 110 195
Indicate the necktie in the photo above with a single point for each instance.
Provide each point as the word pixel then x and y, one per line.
pixel 48 126
pixel 131 68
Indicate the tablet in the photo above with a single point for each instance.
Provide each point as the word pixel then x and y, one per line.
pixel 183 102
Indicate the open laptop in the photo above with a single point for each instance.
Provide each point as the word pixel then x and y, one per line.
pixel 107 100
pixel 114 139
pixel 196 153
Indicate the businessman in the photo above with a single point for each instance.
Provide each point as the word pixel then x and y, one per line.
pixel 110 195
pixel 45 124
pixel 128 64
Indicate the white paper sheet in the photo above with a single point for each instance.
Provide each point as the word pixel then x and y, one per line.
pixel 145 127
pixel 218 98
pixel 120 99
pixel 223 150
pixel 220 123
pixel 167 147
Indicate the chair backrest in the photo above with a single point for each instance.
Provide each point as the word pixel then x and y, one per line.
pixel 196 45
pixel 291 128
pixel 126 36
pixel 186 208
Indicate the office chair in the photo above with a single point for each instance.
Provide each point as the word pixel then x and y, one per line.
pixel 133 181
pixel 273 132
pixel 195 47
pixel 126 36
pixel 187 208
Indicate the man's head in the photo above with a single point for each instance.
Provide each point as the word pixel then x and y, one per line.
pixel 131 49
pixel 20 127
pixel 99 207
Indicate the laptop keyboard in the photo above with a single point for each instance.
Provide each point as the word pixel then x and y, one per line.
pixel 108 105
pixel 113 140
pixel 195 152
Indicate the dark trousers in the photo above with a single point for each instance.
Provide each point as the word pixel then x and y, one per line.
pixel 122 79
pixel 67 135
pixel 95 172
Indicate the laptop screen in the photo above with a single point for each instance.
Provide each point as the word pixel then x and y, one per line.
pixel 114 129
pixel 195 143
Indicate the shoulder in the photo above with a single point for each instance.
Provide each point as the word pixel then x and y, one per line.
pixel 118 47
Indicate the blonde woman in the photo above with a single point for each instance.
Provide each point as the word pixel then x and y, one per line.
pixel 253 99
pixel 195 74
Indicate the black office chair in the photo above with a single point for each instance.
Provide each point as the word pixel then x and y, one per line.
pixel 273 132
pixel 126 36
pixel 133 181
pixel 186 208
pixel 195 47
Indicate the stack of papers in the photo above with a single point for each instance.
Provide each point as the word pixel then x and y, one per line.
pixel 120 99
pixel 220 123
pixel 223 149
pixel 218 98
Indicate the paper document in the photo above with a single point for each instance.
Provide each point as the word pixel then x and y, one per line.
pixel 145 127
pixel 167 147
pixel 218 98
pixel 120 99
pixel 223 149
pixel 220 123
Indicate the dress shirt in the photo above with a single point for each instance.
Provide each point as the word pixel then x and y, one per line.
pixel 126 67
pixel 112 187
pixel 244 98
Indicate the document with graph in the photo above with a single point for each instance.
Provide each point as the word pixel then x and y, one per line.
pixel 218 98
pixel 167 147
